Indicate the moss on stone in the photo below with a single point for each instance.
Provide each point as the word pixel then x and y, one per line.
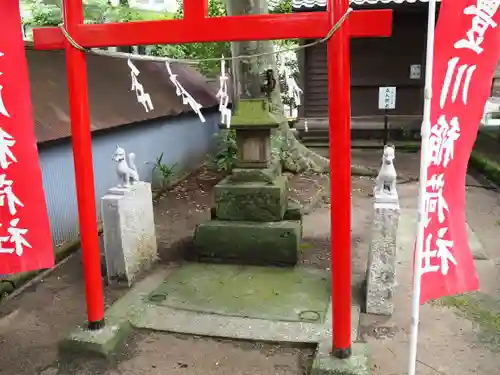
pixel 251 201
pixel 293 211
pixel 255 113
pixel 267 175
pixel 249 242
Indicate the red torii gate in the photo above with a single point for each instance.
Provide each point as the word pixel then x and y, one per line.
pixel 198 27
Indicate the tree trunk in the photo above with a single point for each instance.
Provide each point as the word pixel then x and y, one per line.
pixel 248 77
pixel 125 49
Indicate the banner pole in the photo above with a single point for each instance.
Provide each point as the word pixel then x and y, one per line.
pixel 425 133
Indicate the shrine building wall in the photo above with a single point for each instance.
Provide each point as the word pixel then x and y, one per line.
pixel 375 62
pixel 116 117
pixel 184 140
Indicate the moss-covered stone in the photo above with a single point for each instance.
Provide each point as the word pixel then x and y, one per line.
pixel 251 201
pixel 293 211
pixel 255 113
pixel 248 242
pixel 266 175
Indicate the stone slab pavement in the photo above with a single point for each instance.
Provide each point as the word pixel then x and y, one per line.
pixel 458 335
pixel 136 309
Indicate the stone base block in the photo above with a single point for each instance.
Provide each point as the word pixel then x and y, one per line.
pixel 272 243
pixel 357 364
pixel 293 212
pixel 251 201
pixel 129 232
pixel 266 175
pixel 381 270
pixel 103 341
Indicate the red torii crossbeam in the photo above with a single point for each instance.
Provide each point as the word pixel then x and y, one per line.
pixel 198 27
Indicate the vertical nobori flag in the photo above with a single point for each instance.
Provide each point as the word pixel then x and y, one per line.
pixel 25 238
pixel 466 52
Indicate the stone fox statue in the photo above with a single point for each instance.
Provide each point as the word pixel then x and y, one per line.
pixel 127 172
pixel 386 179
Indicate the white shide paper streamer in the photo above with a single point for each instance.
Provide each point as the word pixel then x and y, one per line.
pixel 223 96
pixel 142 97
pixel 187 99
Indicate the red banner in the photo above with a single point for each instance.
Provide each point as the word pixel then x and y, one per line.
pixel 25 238
pixel 467 51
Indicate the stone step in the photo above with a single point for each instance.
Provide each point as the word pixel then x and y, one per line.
pixel 158 302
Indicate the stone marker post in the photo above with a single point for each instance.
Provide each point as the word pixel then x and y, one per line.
pixel 128 225
pixel 252 221
pixel 381 270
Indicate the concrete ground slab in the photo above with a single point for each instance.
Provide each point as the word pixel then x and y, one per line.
pixel 136 311
pixel 269 293
pixel 407 232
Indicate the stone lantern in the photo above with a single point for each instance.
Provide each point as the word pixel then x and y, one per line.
pixel 253 123
pixel 252 221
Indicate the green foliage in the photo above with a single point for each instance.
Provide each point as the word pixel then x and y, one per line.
pixel 227 151
pixel 165 171
pixel 95 11
pixel 42 14
pixel 283 6
pixel 100 11
pixel 216 8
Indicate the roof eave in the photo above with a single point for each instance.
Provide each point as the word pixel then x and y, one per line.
pixel 315 8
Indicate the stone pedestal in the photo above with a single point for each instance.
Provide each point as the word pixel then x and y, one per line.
pixel 246 242
pixel 251 201
pixel 252 222
pixel 381 272
pixel 129 231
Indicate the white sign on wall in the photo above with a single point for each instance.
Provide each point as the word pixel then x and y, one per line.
pixel 415 71
pixel 387 98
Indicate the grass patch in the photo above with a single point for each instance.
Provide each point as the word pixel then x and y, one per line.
pixel 472 309
pixel 487 167
pixel 306 246
pixel 480 309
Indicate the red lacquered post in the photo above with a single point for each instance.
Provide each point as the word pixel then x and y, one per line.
pixel 76 67
pixel 195 10
pixel 339 112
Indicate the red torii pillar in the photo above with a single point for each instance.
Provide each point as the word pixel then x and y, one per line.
pixel 198 27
